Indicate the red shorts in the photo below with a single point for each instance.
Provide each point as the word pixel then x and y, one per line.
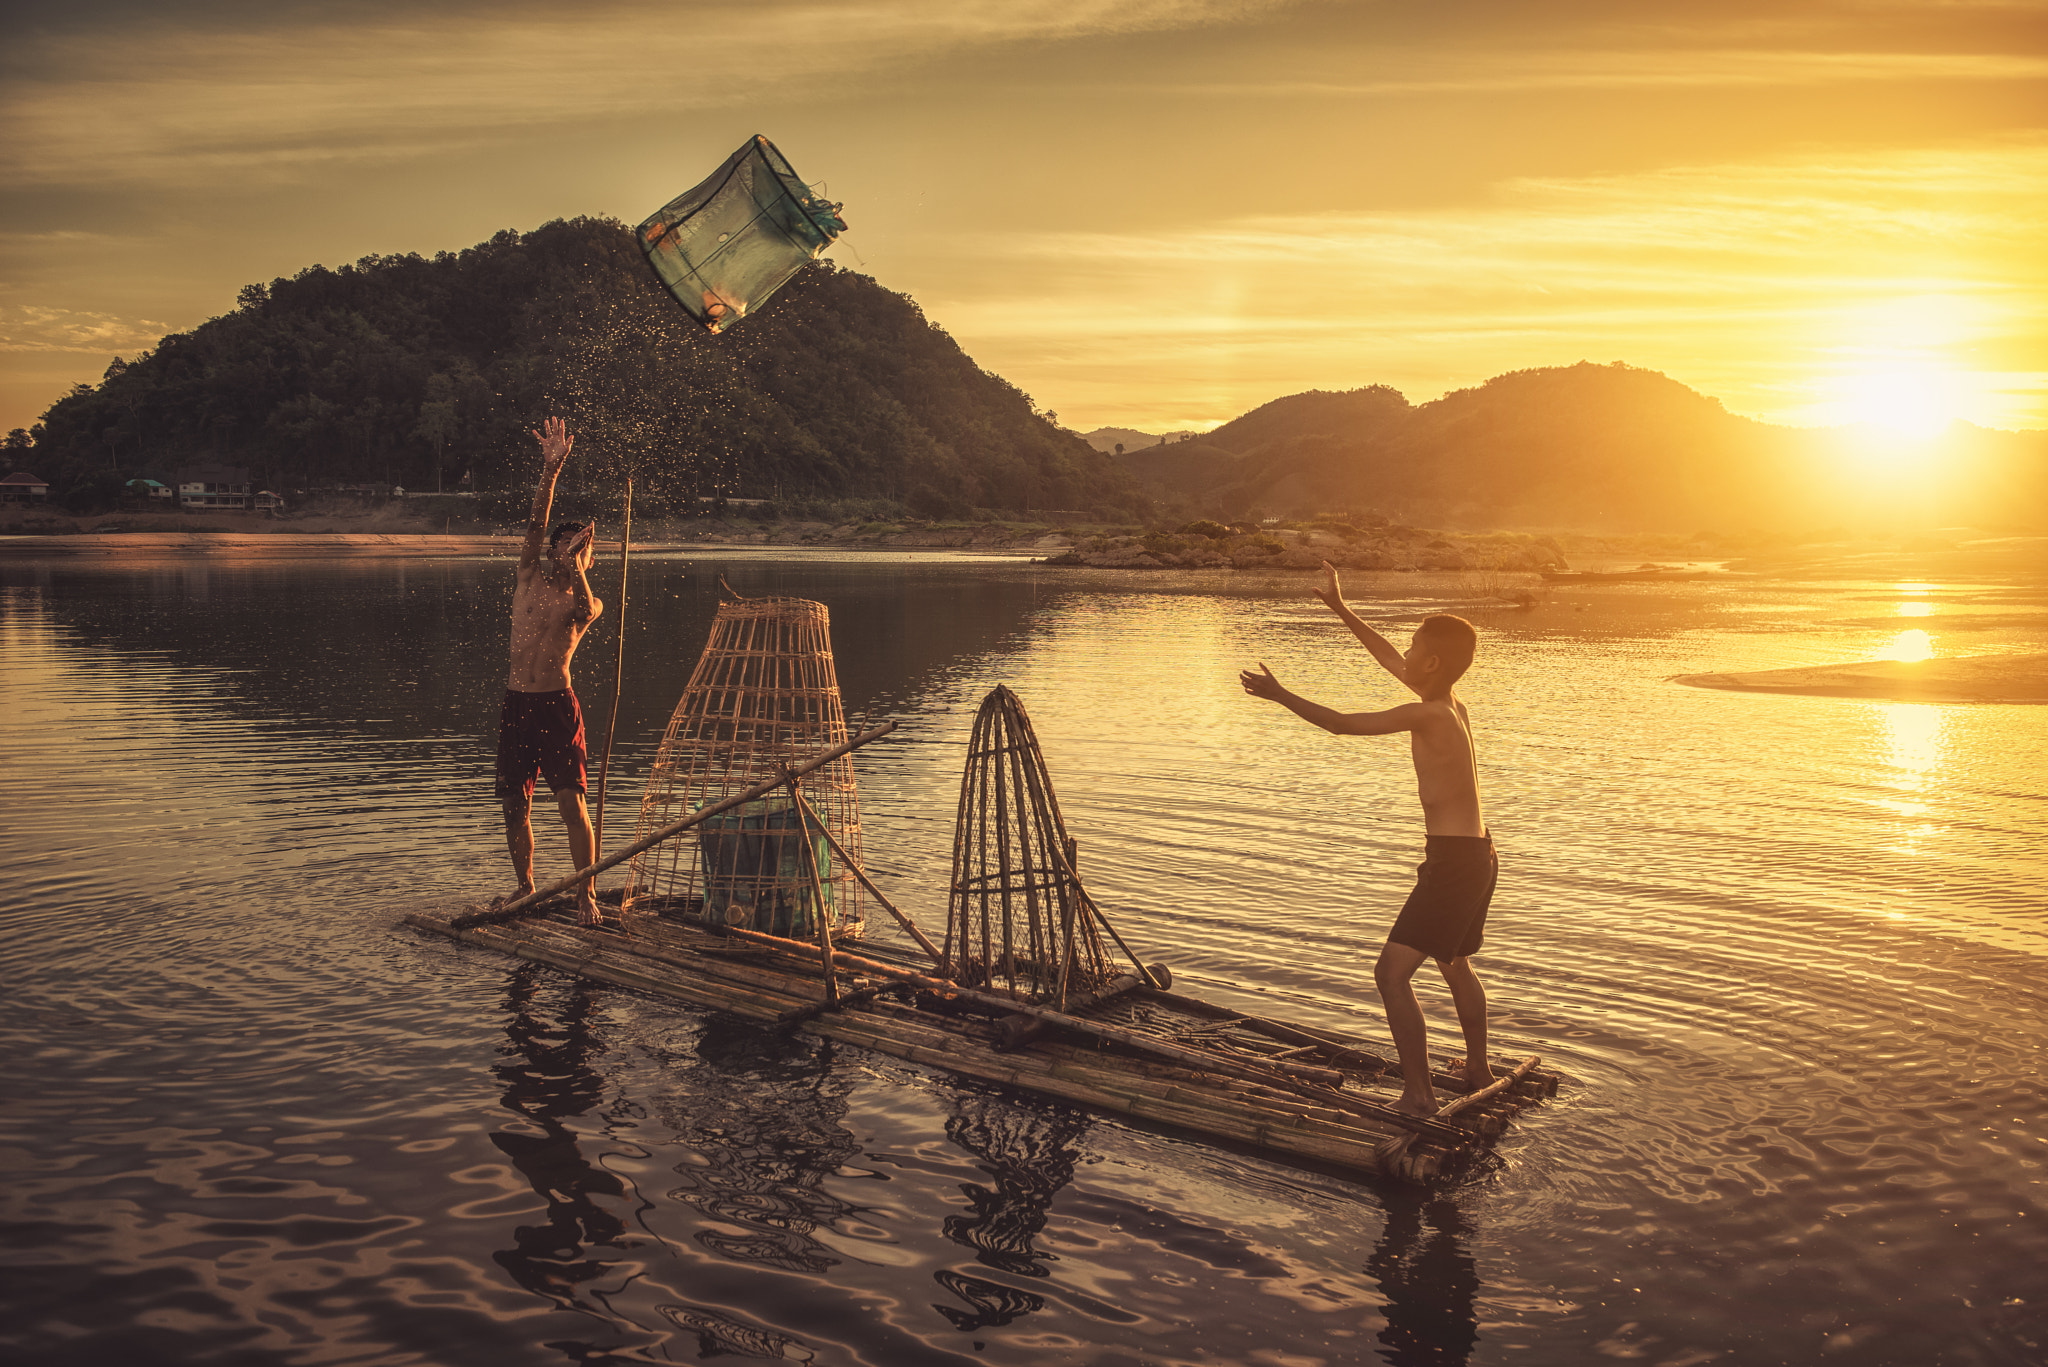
pixel 540 733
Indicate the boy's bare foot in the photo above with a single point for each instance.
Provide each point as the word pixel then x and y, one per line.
pixel 1476 1078
pixel 1422 1107
pixel 504 898
pixel 587 913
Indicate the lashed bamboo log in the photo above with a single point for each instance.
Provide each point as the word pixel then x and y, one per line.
pixel 1393 1149
pixel 1016 1031
pixel 838 1003
pixel 1273 1075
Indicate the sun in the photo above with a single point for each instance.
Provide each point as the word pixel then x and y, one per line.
pixel 1902 401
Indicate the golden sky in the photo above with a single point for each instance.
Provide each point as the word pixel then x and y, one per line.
pixel 1146 213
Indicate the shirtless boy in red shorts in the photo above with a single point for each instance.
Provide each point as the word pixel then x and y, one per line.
pixel 540 727
pixel 1445 916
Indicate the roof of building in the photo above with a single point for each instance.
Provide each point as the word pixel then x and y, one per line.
pixel 24 478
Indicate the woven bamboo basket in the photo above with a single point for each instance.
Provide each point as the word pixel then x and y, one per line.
pixel 1018 916
pixel 764 696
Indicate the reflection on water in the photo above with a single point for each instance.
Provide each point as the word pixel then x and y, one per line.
pixel 761 1114
pixel 1029 1153
pixel 1429 1280
pixel 1911 645
pixel 1914 738
pixel 549 1079
pixel 1788 950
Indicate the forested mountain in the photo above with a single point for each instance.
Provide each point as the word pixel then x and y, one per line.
pixel 414 371
pixel 1586 446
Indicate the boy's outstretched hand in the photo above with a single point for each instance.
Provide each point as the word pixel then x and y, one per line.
pixel 555 441
pixel 1332 593
pixel 1261 684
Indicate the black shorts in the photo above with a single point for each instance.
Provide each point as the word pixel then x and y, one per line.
pixel 540 733
pixel 1445 917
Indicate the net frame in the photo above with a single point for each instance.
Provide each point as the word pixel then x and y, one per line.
pixel 728 243
pixel 1017 915
pixel 764 696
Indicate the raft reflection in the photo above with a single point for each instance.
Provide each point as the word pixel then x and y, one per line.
pixel 761 1111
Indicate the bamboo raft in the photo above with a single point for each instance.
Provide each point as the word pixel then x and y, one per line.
pixel 1024 989
pixel 1320 1104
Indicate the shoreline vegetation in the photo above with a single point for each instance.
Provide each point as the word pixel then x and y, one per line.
pixel 1094 547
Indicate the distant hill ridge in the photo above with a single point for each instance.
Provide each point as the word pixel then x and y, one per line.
pixel 1583 446
pixel 1130 438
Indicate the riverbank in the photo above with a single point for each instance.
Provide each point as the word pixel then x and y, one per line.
pixel 292 544
pixel 1489 564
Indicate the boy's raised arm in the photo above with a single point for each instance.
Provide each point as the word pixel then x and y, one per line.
pixel 1406 717
pixel 555 442
pixel 1382 649
pixel 586 604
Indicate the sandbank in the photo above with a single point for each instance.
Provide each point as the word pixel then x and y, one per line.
pixel 1968 679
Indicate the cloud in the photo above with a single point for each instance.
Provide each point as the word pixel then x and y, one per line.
pixel 32 328
pixel 1503 73
pixel 1759 282
pixel 160 100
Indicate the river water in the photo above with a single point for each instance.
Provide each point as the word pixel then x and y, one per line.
pixel 1788 951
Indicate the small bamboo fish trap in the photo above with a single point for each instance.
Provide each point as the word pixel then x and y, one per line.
pixel 763 697
pixel 1018 916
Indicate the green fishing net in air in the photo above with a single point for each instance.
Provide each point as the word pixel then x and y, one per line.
pixel 725 246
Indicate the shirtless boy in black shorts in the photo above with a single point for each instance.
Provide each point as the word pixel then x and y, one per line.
pixel 540 726
pixel 1445 916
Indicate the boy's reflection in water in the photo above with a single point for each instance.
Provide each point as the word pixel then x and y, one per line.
pixel 548 1079
pixel 1429 1279
pixel 1031 1156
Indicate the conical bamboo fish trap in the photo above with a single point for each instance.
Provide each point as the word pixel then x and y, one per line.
pixel 764 697
pixel 1018 916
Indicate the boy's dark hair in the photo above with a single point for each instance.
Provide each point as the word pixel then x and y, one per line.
pixel 1454 640
pixel 561 532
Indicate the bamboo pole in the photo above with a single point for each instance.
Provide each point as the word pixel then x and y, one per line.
pixel 611 729
pixel 1393 1150
pixel 804 810
pixel 673 829
pixel 817 894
